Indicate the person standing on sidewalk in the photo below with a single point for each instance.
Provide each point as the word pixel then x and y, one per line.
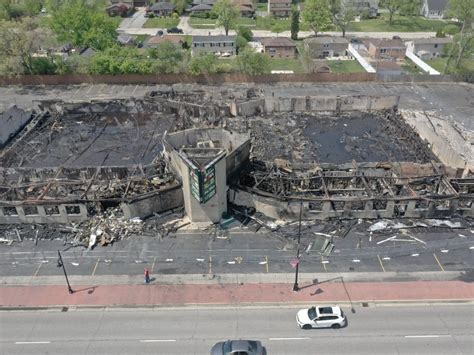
pixel 147 276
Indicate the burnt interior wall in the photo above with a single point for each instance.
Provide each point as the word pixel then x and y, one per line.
pixel 12 121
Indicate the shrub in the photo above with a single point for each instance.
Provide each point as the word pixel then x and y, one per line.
pixel 451 29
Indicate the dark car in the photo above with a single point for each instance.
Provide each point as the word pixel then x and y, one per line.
pixel 241 347
pixel 174 30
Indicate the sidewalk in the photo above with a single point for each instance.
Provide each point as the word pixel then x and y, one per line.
pixel 214 293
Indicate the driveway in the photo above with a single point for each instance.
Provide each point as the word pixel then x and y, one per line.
pixel 134 22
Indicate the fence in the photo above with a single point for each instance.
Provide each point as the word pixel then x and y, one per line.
pixel 180 78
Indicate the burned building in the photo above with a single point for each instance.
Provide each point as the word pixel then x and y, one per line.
pixel 338 157
pixel 204 159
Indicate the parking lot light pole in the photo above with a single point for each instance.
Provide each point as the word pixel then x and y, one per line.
pixel 60 263
pixel 295 286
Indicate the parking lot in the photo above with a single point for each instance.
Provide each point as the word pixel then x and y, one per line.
pixel 453 100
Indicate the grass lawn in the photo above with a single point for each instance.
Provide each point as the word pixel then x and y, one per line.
pixel 262 6
pixel 245 21
pixel 161 22
pixel 205 23
pixel 440 63
pixel 400 24
pixel 410 68
pixel 437 63
pixel 286 64
pixel 117 20
pixel 344 66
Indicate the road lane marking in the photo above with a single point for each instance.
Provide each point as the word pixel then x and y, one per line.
pixel 288 338
pixel 95 267
pixel 381 264
pixel 38 269
pixel 324 262
pixel 356 261
pixel 428 336
pixel 157 341
pixel 90 88
pixel 266 264
pixel 153 265
pixel 437 260
pixel 32 342
pixel 210 266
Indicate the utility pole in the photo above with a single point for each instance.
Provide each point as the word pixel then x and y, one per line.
pixel 295 286
pixel 60 263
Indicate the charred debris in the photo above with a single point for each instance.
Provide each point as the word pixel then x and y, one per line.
pixel 94 173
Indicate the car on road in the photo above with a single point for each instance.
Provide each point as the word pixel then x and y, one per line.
pixel 321 317
pixel 174 30
pixel 240 347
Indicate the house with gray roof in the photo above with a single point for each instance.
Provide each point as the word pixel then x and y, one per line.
pixel 219 45
pixel 428 48
pixel 434 9
pixel 200 8
pixel 162 9
pixel 326 47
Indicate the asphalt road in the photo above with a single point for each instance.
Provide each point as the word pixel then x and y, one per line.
pixel 373 330
pixel 244 252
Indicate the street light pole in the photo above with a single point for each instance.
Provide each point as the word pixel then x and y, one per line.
pixel 295 286
pixel 60 263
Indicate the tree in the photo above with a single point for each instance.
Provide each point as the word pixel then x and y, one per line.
pixel 244 35
pixel 18 41
pixel 317 16
pixel 227 14
pixel 252 63
pixel 168 57
pixel 410 7
pixel 245 32
pixel 180 5
pixel 121 60
pixel 295 22
pixel 392 6
pixel 240 43
pixel 463 10
pixel 83 25
pixel 278 27
pixel 343 14
pixel 203 63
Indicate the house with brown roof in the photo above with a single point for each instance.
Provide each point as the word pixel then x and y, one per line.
pixel 134 3
pixel 119 9
pixel 279 8
pixel 279 47
pixel 156 41
pixel 386 49
pixel 386 67
pixel 326 47
pixel 246 7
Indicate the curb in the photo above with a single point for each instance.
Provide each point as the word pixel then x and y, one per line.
pixel 254 305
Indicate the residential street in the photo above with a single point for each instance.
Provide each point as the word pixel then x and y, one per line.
pixel 370 330
pixel 134 26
